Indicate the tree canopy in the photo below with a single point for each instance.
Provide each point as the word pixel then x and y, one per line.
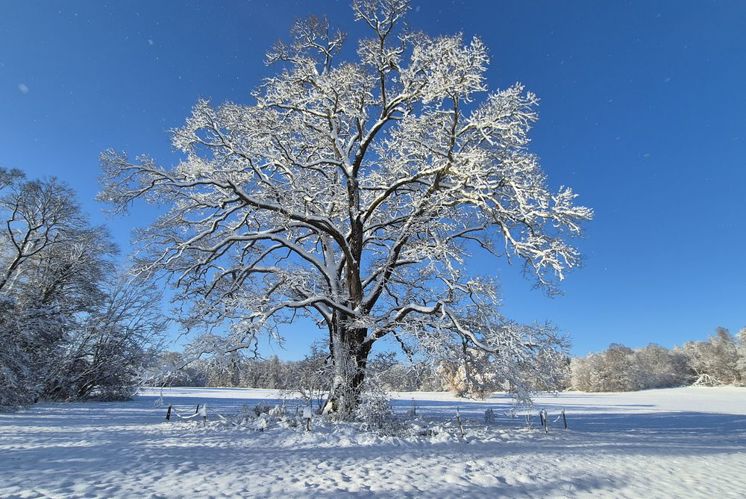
pixel 353 191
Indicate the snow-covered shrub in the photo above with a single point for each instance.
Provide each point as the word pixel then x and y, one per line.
pixel 374 410
pixel 312 377
pixel 260 409
pixel 277 411
pixel 262 422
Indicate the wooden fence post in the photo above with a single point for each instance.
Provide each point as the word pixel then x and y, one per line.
pixel 307 415
pixel 458 420
pixel 545 420
pixel 203 413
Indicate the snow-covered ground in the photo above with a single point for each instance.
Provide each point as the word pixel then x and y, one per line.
pixel 685 442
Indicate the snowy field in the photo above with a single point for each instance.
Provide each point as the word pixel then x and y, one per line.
pixel 686 442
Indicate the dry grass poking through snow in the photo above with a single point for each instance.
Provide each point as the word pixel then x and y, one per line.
pixel 685 442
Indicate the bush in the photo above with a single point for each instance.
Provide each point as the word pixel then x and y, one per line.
pixel 375 412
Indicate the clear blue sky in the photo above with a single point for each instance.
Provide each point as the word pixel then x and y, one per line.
pixel 643 112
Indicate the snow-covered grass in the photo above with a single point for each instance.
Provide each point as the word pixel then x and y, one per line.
pixel 684 442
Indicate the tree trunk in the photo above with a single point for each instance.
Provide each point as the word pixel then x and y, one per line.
pixel 349 360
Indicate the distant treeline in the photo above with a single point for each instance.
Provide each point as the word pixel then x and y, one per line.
pixel 310 373
pixel 718 360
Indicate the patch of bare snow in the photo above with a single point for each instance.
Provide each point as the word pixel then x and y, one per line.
pixel 684 442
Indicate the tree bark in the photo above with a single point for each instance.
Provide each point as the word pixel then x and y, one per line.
pixel 349 361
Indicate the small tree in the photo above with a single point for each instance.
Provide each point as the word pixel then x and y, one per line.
pixel 353 192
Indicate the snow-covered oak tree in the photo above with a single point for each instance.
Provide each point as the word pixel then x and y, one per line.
pixel 353 191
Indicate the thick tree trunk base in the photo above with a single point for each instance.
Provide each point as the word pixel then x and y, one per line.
pixel 350 363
